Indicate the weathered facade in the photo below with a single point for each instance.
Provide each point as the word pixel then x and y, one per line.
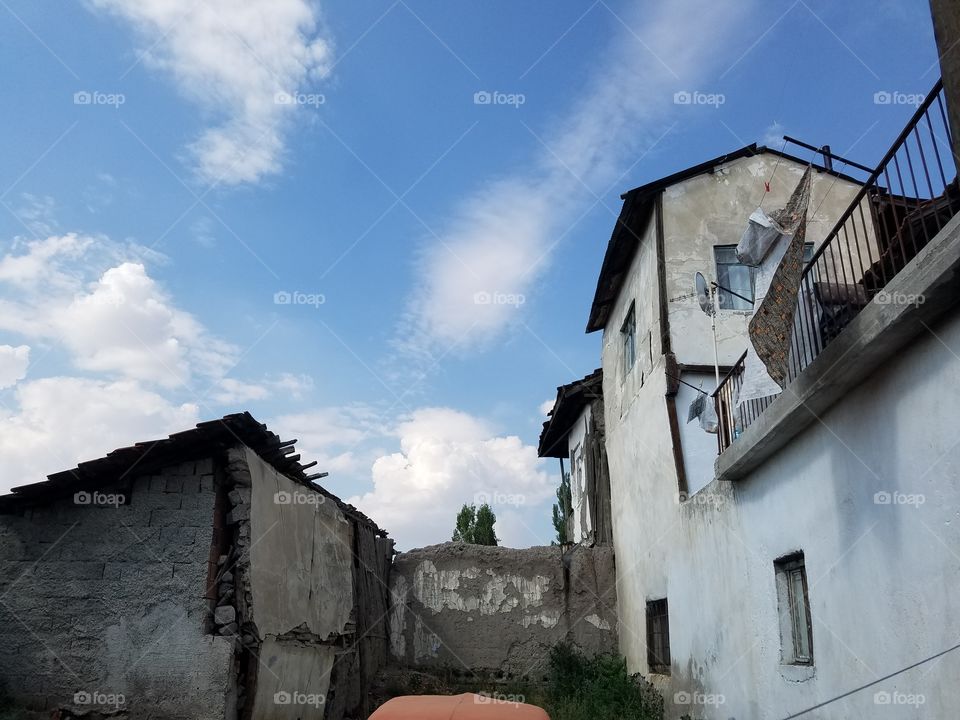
pixel 814 555
pixel 202 576
pixel 575 432
pixel 499 610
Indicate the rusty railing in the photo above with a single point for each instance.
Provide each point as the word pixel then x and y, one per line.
pixel 904 203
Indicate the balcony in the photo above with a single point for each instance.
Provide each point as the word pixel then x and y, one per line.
pixel 904 204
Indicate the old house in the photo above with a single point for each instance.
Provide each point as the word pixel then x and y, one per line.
pixel 574 432
pixel 816 554
pixel 201 576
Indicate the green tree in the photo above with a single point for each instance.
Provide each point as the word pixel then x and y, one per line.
pixel 475 526
pixel 562 508
pixel 466 520
pixel 483 533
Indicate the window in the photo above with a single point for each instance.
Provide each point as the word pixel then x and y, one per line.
pixel 628 333
pixel 796 631
pixel 658 637
pixel 740 278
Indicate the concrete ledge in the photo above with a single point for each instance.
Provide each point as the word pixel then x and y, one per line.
pixel 876 335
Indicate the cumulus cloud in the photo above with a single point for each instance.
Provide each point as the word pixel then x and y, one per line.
pixel 773 135
pixel 231 391
pixel 60 421
pixel 13 364
pixel 497 242
pixel 95 302
pixel 109 314
pixel 343 440
pixel 547 406
pixel 448 458
pixel 241 63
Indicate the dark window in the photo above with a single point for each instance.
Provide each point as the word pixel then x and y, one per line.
pixel 628 333
pixel 796 627
pixel 658 637
pixel 740 278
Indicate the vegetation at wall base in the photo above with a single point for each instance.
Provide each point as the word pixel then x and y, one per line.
pixel 574 687
pixel 588 688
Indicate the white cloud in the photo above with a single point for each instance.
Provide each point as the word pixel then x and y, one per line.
pixel 121 322
pixel 231 391
pixel 343 440
pixel 233 59
pixel 500 239
pixel 81 295
pixel 13 364
pixel 547 406
pixel 448 458
pixel 773 135
pixel 60 421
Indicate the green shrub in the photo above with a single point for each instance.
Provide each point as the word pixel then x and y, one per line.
pixel 591 688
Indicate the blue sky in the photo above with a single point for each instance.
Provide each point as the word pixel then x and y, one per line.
pixel 338 151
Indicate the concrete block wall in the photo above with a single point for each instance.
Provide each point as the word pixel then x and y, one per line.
pixel 499 610
pixel 104 606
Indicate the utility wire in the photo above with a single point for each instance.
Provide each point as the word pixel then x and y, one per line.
pixel 870 684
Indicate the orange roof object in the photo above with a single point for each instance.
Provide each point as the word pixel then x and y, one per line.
pixel 456 707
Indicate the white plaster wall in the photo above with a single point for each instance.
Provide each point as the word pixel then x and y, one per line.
pixel 300 557
pixel 639 449
pixel 883 578
pixel 712 209
pixel 580 505
pixel 699 446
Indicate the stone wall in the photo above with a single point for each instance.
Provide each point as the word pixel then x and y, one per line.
pixel 103 606
pixel 214 589
pixel 311 596
pixel 492 609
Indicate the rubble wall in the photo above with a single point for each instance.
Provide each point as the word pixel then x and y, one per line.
pixel 103 606
pixel 492 609
pixel 310 575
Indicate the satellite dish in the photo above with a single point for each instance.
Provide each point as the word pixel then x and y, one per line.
pixel 703 294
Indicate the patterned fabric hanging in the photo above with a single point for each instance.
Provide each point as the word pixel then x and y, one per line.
pixel 774 243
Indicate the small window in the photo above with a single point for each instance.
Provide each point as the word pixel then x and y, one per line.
pixel 658 637
pixel 740 278
pixel 628 333
pixel 796 630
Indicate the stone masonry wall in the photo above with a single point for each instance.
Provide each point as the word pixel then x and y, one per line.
pixel 492 609
pixel 104 606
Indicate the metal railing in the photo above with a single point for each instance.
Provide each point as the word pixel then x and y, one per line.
pixel 904 203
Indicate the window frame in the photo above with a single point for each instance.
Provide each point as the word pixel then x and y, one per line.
pixel 722 297
pixel 628 339
pixel 658 637
pixel 793 609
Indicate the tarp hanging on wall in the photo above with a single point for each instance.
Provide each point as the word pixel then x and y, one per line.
pixel 775 244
